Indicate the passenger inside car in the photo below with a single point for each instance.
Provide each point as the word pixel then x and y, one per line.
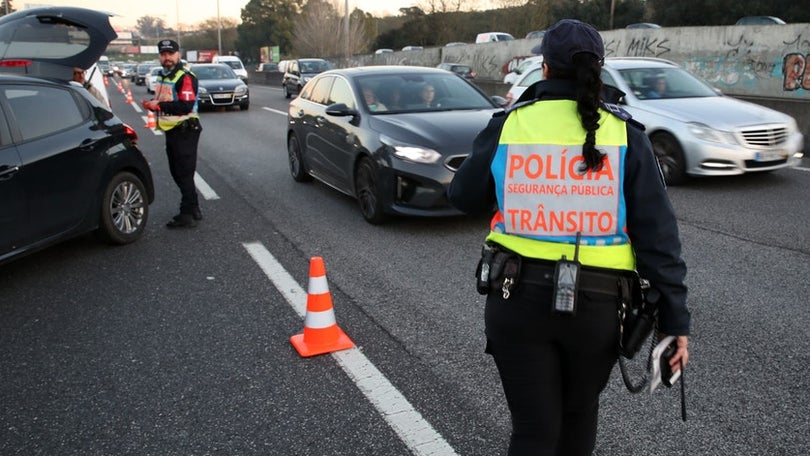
pixel 658 87
pixel 371 100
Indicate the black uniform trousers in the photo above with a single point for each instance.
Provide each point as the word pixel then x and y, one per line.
pixel 181 150
pixel 553 367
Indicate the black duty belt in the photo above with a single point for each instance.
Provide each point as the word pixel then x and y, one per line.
pixel 542 273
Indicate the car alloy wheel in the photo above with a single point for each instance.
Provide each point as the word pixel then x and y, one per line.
pixel 670 158
pixel 124 210
pixel 367 192
pixel 297 168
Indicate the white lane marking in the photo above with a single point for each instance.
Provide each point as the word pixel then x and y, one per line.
pixel 274 111
pixel 417 434
pixel 799 168
pixel 155 131
pixel 205 190
pixel 136 107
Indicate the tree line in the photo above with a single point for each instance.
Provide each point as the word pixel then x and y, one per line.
pixel 317 28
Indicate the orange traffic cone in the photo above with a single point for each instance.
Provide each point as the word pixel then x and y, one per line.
pixel 106 82
pixel 321 332
pixel 129 96
pixel 150 120
pixel 120 89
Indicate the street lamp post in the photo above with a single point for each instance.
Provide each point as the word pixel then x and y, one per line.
pixel 346 31
pixel 177 13
pixel 219 31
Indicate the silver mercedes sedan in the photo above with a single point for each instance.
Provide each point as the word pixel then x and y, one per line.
pixel 697 131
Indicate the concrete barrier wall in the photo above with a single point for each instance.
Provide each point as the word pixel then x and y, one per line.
pixel 768 65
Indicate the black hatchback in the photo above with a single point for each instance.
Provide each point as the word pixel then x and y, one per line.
pixel 68 165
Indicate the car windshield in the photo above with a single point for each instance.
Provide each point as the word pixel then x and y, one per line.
pixel 213 72
pixel 315 66
pixel 400 93
pixel 233 64
pixel 655 83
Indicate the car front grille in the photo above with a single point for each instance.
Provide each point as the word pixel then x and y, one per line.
pixel 221 98
pixel 765 136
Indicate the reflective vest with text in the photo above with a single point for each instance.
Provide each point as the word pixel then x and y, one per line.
pixel 543 198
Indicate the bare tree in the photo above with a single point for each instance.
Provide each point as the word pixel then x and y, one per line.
pixel 320 30
pixel 447 6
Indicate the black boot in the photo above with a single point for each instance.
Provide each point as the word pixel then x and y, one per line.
pixel 182 221
pixel 196 213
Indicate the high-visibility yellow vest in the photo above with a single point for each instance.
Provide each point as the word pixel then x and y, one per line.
pixel 165 90
pixel 543 199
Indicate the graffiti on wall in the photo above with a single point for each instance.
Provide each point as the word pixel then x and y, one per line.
pixel 638 47
pixel 796 71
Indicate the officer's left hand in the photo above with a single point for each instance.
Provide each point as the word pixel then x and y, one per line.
pixel 681 353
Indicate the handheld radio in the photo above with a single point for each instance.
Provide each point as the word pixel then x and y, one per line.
pixel 566 282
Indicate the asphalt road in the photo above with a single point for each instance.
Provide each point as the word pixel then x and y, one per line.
pixel 179 343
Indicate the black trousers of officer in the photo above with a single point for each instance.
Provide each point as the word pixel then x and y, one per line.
pixel 553 367
pixel 181 150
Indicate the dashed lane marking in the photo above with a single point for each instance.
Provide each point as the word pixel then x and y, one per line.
pixel 414 431
pixel 205 190
pixel 276 111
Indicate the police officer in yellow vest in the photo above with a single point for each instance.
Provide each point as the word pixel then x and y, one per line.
pixel 581 206
pixel 175 104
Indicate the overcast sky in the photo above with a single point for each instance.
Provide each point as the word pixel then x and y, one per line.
pixel 194 11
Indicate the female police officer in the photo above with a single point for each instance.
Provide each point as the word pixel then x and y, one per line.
pixel 574 179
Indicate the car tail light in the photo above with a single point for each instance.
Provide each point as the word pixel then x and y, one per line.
pixel 131 134
pixel 15 63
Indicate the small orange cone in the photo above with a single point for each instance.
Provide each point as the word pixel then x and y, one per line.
pixel 120 89
pixel 129 96
pixel 321 332
pixel 106 82
pixel 150 120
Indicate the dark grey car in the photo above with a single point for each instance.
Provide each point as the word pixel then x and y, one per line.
pixel 370 134
pixel 220 86
pixel 299 72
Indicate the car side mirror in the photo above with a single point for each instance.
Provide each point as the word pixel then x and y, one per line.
pixel 340 110
pixel 499 100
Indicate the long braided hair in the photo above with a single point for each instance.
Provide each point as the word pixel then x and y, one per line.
pixel 589 85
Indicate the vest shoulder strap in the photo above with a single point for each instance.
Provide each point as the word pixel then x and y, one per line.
pixel 619 112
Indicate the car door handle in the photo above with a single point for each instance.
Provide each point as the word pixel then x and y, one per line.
pixel 7 172
pixel 88 145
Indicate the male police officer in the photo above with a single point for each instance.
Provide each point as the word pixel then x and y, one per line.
pixel 175 103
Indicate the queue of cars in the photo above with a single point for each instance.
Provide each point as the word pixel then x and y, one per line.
pixel 389 136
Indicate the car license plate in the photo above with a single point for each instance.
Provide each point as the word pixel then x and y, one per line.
pixel 220 96
pixel 770 155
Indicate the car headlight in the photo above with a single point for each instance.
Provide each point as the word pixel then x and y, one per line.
pixel 202 90
pixel 706 133
pixel 409 152
pixel 240 90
